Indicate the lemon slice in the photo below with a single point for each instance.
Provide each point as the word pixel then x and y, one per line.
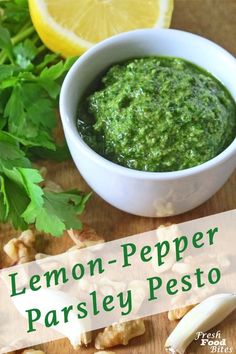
pixel 70 27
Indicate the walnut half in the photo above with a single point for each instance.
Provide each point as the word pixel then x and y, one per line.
pixel 85 237
pixel 21 249
pixel 177 314
pixel 85 339
pixel 119 333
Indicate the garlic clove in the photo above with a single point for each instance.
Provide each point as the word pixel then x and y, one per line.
pixel 201 318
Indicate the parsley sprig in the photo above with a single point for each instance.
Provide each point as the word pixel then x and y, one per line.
pixel 30 80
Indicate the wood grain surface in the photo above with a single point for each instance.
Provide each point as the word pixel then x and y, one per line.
pixel 213 19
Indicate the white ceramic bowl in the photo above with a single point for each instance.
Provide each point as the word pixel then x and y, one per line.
pixel 137 192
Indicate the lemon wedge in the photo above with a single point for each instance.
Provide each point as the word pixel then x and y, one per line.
pixel 70 27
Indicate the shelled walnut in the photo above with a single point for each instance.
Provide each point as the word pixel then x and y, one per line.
pixel 52 186
pixel 177 314
pixel 119 333
pixel 86 338
pixel 47 183
pixel 21 249
pixel 85 237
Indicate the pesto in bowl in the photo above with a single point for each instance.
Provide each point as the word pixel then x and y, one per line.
pixel 157 114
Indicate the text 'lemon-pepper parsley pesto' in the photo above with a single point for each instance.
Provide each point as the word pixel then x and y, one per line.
pixel 157 114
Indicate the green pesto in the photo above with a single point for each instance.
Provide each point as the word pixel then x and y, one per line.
pixel 157 114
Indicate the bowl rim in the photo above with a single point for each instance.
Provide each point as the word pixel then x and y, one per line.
pixel 70 128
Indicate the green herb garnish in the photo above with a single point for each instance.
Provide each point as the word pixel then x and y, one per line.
pixel 30 80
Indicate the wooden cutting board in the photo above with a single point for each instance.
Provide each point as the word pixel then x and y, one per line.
pixel 213 19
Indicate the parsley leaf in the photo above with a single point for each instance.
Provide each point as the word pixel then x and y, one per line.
pixel 10 153
pixel 24 53
pixel 5 39
pixel 30 80
pixel 24 202
pixel 58 212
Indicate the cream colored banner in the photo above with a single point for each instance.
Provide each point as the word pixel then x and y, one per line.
pixel 132 277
